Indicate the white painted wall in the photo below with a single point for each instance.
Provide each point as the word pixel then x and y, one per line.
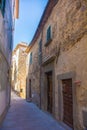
pixel 5 53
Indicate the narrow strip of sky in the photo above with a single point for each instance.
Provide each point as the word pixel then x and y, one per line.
pixel 30 13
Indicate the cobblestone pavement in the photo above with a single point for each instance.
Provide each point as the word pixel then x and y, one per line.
pixel 26 116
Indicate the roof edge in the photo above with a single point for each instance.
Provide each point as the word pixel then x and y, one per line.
pixel 47 12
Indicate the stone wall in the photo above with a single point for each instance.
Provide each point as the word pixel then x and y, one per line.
pixel 34 74
pixel 69 36
pixel 66 53
pixel 19 70
pixel 22 73
pixel 75 60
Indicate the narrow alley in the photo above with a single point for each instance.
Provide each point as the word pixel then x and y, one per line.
pixel 26 116
pixel 43 60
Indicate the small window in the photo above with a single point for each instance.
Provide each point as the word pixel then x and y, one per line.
pixel 31 58
pixel 2 6
pixel 0 1
pixel 40 52
pixel 21 90
pixel 48 33
pixel 48 36
pixel 40 46
pixel 10 44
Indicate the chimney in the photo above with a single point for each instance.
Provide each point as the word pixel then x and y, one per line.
pixel 16 13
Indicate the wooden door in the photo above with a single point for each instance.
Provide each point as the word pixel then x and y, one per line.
pixel 49 92
pixel 67 102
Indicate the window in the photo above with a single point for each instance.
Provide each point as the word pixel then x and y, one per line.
pixel 2 6
pixel 0 1
pixel 40 46
pixel 40 52
pixel 31 58
pixel 48 33
pixel 21 90
pixel 10 42
pixel 48 36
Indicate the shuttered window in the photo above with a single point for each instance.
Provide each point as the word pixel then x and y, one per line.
pixel 48 36
pixel 40 52
pixel 2 6
pixel 0 3
pixel 48 33
pixel 31 58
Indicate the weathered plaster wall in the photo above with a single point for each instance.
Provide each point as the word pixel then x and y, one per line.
pixel 2 102
pixel 5 57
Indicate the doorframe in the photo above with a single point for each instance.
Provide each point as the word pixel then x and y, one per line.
pixel 49 67
pixel 30 92
pixel 46 74
pixel 60 77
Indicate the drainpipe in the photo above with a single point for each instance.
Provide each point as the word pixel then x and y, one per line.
pixel 40 85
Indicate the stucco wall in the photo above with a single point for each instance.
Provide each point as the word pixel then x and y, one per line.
pixel 5 57
pixel 4 84
pixel 3 102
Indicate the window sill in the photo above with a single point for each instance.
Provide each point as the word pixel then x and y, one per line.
pixel 48 42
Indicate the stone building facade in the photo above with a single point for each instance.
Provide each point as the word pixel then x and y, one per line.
pixel 33 74
pixel 6 44
pixel 61 74
pixel 19 69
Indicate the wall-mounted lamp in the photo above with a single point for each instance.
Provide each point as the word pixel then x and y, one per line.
pixel 78 82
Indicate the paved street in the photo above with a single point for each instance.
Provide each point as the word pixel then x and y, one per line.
pixel 26 116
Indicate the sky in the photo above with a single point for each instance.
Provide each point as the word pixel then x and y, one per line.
pixel 30 12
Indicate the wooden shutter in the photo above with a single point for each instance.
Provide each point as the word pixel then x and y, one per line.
pixel 0 3
pixel 40 51
pixel 48 33
pixel 31 58
pixel 2 6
